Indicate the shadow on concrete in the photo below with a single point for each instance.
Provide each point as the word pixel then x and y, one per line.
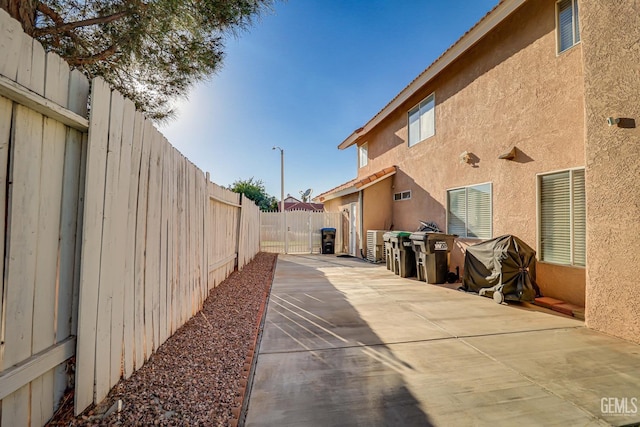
pixel 320 363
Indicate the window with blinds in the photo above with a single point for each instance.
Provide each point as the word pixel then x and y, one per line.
pixel 568 24
pixel 469 211
pixel 422 120
pixel 562 217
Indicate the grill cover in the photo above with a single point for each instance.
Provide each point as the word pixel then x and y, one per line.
pixel 505 264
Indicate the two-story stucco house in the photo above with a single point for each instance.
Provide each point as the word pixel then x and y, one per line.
pixel 525 126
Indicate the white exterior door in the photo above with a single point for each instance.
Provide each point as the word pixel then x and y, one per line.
pixel 353 221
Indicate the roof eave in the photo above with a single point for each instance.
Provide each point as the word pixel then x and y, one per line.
pixel 352 139
pixel 344 192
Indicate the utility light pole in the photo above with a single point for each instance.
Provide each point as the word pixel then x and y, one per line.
pixel 284 216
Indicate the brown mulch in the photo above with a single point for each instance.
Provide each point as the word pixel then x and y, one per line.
pixel 198 376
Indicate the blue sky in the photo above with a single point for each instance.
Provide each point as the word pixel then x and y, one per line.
pixel 303 77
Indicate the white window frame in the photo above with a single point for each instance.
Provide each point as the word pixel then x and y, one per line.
pixel 422 109
pixel 402 195
pixel 363 155
pixel 572 256
pixel 575 26
pixel 466 234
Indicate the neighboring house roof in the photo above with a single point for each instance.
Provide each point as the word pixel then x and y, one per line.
pixel 356 184
pixel 303 206
pixel 293 204
pixel 470 38
pixel 291 199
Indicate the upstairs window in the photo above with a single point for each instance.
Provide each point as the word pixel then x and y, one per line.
pixel 469 211
pixel 567 24
pixel 562 220
pixel 363 154
pixel 422 120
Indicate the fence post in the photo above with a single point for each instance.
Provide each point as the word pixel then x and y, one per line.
pixel 239 234
pixel 309 221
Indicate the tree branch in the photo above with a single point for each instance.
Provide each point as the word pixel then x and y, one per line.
pixel 46 10
pixel 63 28
pixel 87 60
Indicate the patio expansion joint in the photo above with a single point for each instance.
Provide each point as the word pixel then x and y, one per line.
pixel 348 346
pixel 528 331
pixel 452 337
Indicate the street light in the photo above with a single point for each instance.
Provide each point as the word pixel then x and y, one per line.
pixel 284 217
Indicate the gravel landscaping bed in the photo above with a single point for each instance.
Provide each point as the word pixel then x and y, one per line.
pixel 199 375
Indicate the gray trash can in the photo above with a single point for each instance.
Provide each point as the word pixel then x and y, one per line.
pixel 328 240
pixel 404 262
pixel 388 251
pixel 432 255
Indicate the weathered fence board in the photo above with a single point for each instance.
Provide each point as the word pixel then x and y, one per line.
pixel 108 251
pixel 131 195
pixel 51 177
pixel 140 245
pixel 22 243
pixel 11 37
pixel 92 244
pixel 6 113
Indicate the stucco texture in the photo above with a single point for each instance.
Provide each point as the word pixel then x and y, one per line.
pixel 510 89
pixel 611 43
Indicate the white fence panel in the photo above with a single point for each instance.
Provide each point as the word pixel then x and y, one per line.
pixel 303 231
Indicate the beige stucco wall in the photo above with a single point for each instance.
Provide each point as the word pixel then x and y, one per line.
pixel 377 201
pixel 611 40
pixel 511 89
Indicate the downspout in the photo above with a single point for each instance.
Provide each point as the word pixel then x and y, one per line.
pixel 361 215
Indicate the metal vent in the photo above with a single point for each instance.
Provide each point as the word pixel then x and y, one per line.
pixel 375 245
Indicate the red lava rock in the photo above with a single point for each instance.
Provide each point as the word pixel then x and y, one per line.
pixel 198 376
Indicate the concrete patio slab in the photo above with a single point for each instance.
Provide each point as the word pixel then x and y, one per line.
pixel 347 343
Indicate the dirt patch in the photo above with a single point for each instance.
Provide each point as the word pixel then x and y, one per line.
pixel 199 375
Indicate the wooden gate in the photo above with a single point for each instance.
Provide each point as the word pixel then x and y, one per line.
pixel 303 231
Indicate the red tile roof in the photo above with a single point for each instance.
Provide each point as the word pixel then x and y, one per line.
pixel 303 206
pixel 357 184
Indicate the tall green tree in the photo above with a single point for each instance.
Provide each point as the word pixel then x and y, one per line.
pixel 254 189
pixel 152 51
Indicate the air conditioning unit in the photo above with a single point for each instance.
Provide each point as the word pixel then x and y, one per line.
pixel 375 245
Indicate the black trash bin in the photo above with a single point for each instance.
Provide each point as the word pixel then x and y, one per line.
pixel 328 240
pixel 432 255
pixel 404 264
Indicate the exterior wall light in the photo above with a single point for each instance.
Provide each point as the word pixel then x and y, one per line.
pixel 613 121
pixel 464 157
pixel 510 155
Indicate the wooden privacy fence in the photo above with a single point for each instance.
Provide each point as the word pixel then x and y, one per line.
pixel 303 231
pixel 113 238
pixel 237 237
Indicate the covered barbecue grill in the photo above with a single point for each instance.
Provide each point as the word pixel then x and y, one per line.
pixel 503 267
